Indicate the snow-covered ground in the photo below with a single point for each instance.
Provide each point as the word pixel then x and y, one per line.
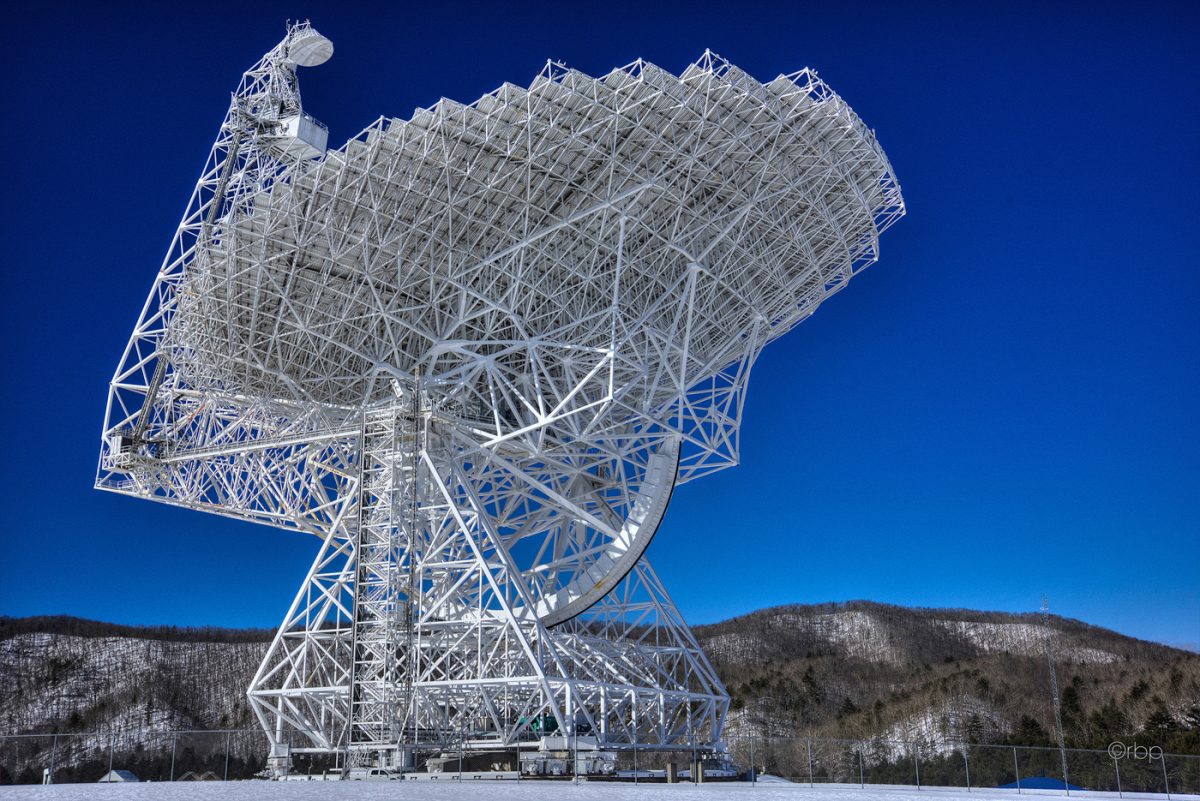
pixel 766 790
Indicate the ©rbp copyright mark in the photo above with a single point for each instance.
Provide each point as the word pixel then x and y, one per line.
pixel 1119 750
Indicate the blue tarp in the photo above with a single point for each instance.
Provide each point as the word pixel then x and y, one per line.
pixel 1040 783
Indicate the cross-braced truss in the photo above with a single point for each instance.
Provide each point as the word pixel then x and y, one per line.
pixel 473 352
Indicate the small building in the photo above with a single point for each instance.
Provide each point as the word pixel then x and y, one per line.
pixel 119 776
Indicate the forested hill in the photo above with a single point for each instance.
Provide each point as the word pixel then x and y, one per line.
pixel 81 627
pixel 872 671
pixel 853 670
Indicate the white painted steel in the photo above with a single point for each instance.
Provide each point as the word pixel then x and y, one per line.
pixel 473 352
pixel 309 49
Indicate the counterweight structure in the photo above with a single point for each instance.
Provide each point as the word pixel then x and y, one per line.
pixel 473 352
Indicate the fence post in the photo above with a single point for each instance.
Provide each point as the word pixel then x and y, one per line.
pixel 53 758
pixel 174 745
pixel 228 736
pixel 1066 784
pixel 810 773
pixel 1016 770
pixel 862 782
pixel 1117 768
pixel 917 765
pixel 112 740
pixel 753 764
pixel 967 764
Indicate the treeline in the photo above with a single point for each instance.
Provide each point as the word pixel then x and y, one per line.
pixel 917 635
pixel 78 627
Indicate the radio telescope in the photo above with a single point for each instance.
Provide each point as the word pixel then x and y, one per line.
pixel 473 352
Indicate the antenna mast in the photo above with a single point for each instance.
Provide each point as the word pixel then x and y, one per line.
pixel 1058 724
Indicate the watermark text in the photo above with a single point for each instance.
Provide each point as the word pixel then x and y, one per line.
pixel 1120 750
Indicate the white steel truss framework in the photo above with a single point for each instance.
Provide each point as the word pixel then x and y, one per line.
pixel 473 352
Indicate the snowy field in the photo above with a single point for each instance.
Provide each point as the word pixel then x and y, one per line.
pixel 519 791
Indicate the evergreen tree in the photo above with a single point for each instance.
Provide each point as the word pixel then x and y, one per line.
pixel 1030 732
pixel 1161 724
pixel 974 730
pixel 1109 722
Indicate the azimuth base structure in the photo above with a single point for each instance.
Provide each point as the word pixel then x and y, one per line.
pixel 473 352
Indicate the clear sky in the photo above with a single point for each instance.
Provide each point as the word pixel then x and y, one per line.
pixel 1005 406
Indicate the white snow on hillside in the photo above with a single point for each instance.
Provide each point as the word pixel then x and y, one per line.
pixel 141 689
pixel 857 634
pixel 862 635
pixel 935 730
pixel 1026 639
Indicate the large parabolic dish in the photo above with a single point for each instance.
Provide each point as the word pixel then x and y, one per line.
pixel 497 333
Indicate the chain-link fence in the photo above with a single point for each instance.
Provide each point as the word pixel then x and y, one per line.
pixel 818 761
pixel 806 761
pixel 151 756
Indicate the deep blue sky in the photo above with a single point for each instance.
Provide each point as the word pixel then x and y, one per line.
pixel 1006 405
